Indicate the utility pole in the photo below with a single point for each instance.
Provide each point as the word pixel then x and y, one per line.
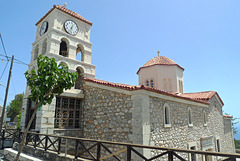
pixel 6 94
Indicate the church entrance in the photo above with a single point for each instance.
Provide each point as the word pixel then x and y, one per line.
pixel 68 113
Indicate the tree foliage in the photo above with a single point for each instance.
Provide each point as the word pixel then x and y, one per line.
pixel 14 108
pixel 49 80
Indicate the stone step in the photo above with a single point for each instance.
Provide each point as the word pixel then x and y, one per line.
pixel 10 154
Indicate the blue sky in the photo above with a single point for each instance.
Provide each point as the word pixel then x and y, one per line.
pixel 201 36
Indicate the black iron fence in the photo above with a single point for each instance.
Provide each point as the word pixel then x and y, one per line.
pixel 107 150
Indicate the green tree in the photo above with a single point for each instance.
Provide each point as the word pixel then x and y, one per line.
pixel 14 108
pixel 49 80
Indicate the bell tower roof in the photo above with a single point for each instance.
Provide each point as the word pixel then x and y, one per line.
pixel 159 60
pixel 67 11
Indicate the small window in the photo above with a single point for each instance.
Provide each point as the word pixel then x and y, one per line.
pixel 166 117
pixel 147 83
pixel 204 118
pixel 152 83
pixel 190 117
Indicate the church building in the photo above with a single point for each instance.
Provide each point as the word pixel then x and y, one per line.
pixel 156 112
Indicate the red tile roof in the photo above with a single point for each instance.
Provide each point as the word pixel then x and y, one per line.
pixel 132 88
pixel 67 11
pixel 159 60
pixel 227 116
pixel 205 96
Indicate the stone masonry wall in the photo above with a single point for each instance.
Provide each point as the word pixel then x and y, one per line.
pixel 217 126
pixel 180 134
pixel 107 115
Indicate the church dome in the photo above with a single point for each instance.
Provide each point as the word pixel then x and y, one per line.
pixel 159 60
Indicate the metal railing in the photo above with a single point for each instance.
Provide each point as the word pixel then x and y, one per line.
pixel 107 150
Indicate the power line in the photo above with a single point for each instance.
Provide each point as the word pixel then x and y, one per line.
pixel 18 61
pixel 3 71
pixel 3 45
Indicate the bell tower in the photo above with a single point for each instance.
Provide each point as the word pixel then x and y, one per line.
pixel 65 36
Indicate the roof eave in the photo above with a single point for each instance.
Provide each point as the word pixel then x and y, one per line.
pixel 55 7
pixel 160 64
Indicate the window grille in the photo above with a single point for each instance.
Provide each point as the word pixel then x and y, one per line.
pixel 68 113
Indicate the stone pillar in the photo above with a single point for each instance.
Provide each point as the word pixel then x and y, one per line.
pixel 45 118
pixel 141 122
pixel 87 56
pixel 24 109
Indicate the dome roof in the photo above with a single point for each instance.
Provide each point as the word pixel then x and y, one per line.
pixel 159 60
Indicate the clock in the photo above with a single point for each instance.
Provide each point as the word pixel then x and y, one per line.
pixel 44 28
pixel 71 27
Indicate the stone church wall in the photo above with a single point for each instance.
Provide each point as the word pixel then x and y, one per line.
pixel 107 115
pixel 221 128
pixel 180 134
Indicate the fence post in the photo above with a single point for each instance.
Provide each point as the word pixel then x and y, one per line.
pixel 46 142
pixel 129 153
pixel 170 156
pixel 66 147
pixel 76 149
pixel 14 135
pixel 59 144
pixel 35 140
pixel 27 139
pixel 98 151
pixel 3 138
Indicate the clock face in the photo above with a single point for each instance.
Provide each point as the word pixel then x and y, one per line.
pixel 71 27
pixel 43 28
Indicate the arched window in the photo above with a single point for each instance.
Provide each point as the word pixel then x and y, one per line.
pixel 36 52
pixel 169 85
pixel 63 64
pixel 44 46
pixel 80 50
pixel 63 48
pixel 165 84
pixel 79 83
pixel 147 83
pixel 166 111
pixel 152 83
pixel 204 118
pixel 190 116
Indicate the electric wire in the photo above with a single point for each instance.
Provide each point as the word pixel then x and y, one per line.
pixel 3 45
pixel 4 70
pixel 20 62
